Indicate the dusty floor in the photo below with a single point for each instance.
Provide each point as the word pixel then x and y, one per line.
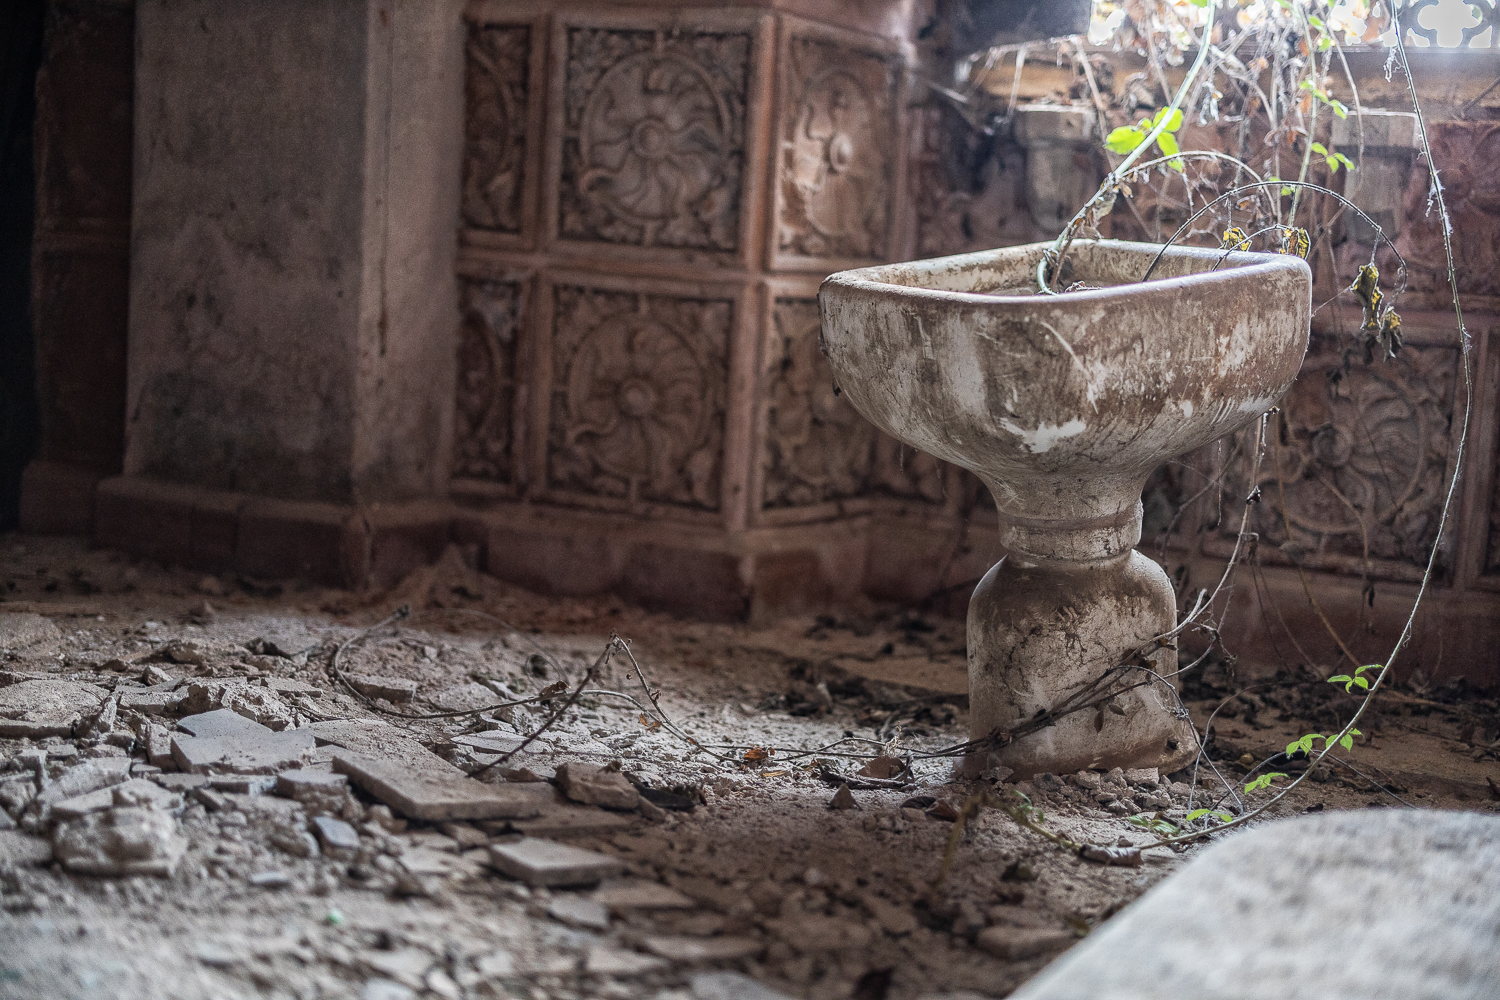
pixel 809 900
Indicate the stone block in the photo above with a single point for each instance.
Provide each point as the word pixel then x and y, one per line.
pixel 1414 898
pixel 243 753
pixel 625 895
pixel 314 541
pixel 220 722
pixel 597 786
pixel 546 863
pixel 122 841
pixel 393 689
pixel 146 517
pixel 428 787
pixel 564 822
pixel 335 834
pixel 41 708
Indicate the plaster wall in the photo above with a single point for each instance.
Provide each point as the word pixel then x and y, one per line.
pixel 292 242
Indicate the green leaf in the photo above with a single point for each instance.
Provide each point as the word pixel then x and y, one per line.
pixel 1319 148
pixel 1198 814
pixel 1367 666
pixel 1168 144
pixel 1339 108
pixel 1124 139
pixel 1364 685
pixel 1347 742
pixel 1264 781
pixel 1340 679
pixel 1224 817
pixel 1199 3
pixel 1325 42
pixel 1315 21
pixel 1173 123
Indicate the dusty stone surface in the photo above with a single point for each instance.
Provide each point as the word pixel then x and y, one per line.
pixel 1415 898
pixel 540 862
pixel 597 786
pixel 248 752
pixel 20 632
pixel 257 703
pixel 123 841
pixel 40 708
pixel 430 788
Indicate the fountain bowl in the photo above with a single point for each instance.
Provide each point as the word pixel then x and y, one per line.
pixel 1063 405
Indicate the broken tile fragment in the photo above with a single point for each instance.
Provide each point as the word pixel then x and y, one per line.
pixel 252 701
pixel 1016 943
pixel 393 689
pixel 547 863
pixel 606 961
pixel 219 722
pixel 428 787
pixel 262 752
pixel 121 841
pixel 597 786
pixel 576 911
pixel 176 781
pixel 319 791
pixel 564 822
pixel 151 702
pixel 693 949
pixel 41 708
pixel 638 894
pixel 89 776
pixel 335 834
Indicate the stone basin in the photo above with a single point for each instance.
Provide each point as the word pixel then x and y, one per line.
pixel 1064 405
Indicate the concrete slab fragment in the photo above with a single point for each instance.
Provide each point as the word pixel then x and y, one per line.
pixel 41 708
pixel 335 834
pixel 638 894
pixel 547 863
pixel 565 822
pixel 220 722
pixel 89 776
pixel 1411 898
pixel 427 787
pixel 692 949
pixel 247 753
pixel 392 689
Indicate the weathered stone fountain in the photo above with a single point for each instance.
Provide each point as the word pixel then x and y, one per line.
pixel 1064 405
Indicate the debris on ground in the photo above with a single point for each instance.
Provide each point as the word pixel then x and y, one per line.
pixel 206 795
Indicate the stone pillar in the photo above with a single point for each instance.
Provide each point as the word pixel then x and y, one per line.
pixel 1377 184
pixel 293 305
pixel 1060 172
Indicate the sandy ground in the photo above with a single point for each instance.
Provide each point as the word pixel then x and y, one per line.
pixel 808 900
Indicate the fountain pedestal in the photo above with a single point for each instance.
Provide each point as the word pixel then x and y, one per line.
pixel 1064 405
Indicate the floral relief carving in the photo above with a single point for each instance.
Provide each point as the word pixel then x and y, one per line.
pixel 818 447
pixel 486 382
pixel 837 143
pixel 1363 460
pixel 638 395
pixel 495 140
pixel 653 150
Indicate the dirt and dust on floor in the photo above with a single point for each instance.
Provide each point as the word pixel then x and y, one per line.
pixel 219 787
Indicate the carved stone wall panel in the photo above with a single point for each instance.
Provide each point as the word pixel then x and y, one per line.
pixel 1363 462
pixel 497 88
pixel 836 168
pixel 653 133
pixel 966 189
pixel 638 399
pixel 1466 153
pixel 485 393
pixel 817 446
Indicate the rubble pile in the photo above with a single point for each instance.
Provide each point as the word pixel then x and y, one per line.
pixel 193 796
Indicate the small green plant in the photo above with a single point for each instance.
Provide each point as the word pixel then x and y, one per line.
pixel 1264 781
pixel 1157 824
pixel 1197 814
pixel 1305 744
pixel 1127 138
pixel 1355 681
pixel 1333 160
